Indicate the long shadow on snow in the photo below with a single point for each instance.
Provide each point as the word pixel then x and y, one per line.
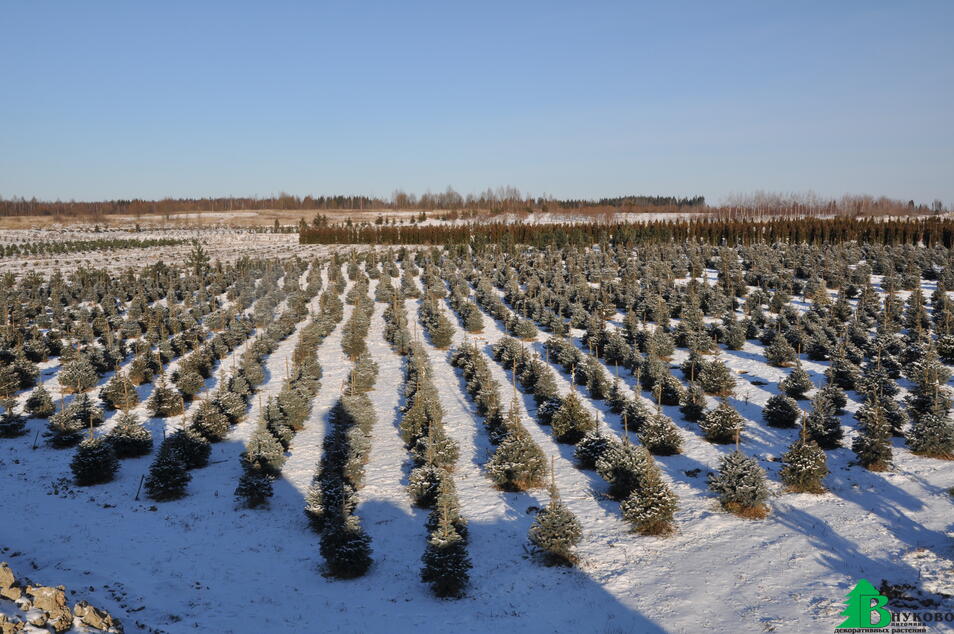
pixel 498 579
pixel 840 554
pixel 875 494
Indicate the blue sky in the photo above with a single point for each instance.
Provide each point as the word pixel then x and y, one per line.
pixel 106 99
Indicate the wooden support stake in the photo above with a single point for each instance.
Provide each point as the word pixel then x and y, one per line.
pixel 552 476
pixel 142 478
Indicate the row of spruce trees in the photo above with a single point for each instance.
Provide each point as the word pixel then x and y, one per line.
pixel 434 454
pixel 434 457
pixel 58 247
pixel 285 415
pixel 333 495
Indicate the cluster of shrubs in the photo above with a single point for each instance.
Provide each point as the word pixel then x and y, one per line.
pixel 17 372
pixel 656 430
pixel 566 415
pixel 646 501
pixel 650 504
pixel 88 310
pixel 128 437
pixel 721 424
pixel 96 458
pixel 583 369
pixel 831 330
pixel 633 476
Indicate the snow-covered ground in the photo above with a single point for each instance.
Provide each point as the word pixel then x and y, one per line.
pixel 791 571
pixel 202 564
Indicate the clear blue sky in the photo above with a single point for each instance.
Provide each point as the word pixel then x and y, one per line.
pixel 126 99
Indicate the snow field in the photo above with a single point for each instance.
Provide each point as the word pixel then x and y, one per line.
pixel 202 564
pixel 817 544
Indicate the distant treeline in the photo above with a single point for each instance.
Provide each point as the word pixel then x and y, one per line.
pixel 622 202
pixel 929 231
pixel 166 206
pixel 490 201
pixel 500 200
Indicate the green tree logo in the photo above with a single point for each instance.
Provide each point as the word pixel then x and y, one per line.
pixel 862 602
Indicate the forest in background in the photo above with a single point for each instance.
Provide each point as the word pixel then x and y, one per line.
pixel 929 231
pixel 490 201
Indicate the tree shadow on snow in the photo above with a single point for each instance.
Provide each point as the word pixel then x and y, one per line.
pixel 840 554
pixel 873 493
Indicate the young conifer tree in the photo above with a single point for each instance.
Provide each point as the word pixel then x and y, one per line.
pixel 446 562
pixel 781 411
pixel 168 476
pixel 873 444
pixel 571 421
pixel 40 403
pixel 12 423
pixel 722 424
pixel 556 531
pixel 94 462
pixel 346 547
pixel 129 438
pixel 650 509
pixel 797 384
pixel 804 466
pixel 741 485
